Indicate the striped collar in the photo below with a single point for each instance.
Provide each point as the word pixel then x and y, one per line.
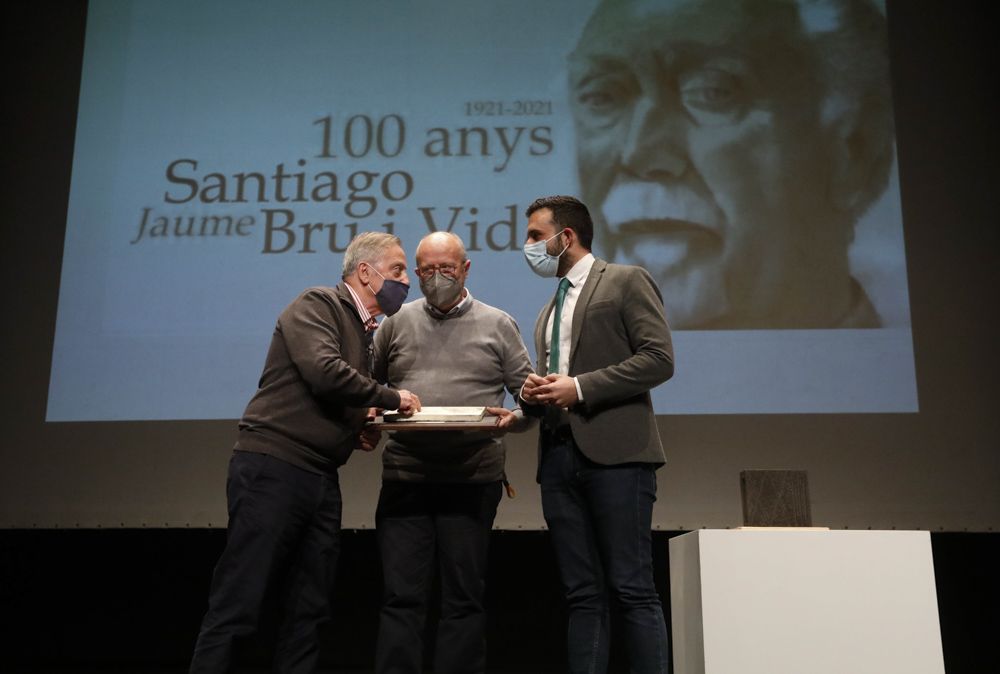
pixel 366 317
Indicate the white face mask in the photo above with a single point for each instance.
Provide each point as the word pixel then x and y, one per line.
pixel 539 259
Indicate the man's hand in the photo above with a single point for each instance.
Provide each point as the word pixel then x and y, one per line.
pixel 557 389
pixel 505 417
pixel 408 403
pixel 529 390
pixel 368 439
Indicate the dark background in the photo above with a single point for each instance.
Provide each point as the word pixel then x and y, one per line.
pixel 130 600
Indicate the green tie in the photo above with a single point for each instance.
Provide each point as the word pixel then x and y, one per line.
pixel 564 285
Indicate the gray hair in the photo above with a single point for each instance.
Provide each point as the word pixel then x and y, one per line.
pixel 368 247
pixel 850 40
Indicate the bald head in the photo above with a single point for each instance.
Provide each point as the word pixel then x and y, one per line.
pixel 442 267
pixel 438 243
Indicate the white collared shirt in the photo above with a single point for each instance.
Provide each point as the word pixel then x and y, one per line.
pixel 577 277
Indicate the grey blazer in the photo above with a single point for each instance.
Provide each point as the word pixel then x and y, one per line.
pixel 620 348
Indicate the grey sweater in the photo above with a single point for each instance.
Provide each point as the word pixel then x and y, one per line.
pixel 466 357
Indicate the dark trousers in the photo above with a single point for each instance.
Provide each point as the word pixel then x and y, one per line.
pixel 416 525
pixel 599 519
pixel 283 536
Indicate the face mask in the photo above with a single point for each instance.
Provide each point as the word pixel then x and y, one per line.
pixel 391 295
pixel 539 259
pixel 441 290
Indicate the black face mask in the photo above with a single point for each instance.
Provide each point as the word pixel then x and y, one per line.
pixel 391 295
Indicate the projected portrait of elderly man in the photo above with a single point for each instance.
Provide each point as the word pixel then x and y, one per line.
pixel 730 146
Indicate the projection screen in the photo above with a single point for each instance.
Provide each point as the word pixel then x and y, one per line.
pixel 744 153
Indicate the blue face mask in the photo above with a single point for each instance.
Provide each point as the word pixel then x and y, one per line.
pixel 538 257
pixel 391 295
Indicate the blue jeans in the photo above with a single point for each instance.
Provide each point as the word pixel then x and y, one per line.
pixel 283 536
pixel 599 518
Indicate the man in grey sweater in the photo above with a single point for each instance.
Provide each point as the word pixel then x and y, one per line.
pixel 440 490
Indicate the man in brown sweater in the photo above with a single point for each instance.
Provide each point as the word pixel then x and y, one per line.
pixel 301 425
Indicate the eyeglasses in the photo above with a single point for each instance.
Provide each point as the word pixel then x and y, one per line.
pixel 446 269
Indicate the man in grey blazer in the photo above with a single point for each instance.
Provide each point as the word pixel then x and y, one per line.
pixel 602 343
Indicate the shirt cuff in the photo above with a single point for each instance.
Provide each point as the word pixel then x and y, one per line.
pixel 579 391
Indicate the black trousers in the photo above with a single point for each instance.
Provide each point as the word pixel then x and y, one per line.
pixel 427 528
pixel 284 537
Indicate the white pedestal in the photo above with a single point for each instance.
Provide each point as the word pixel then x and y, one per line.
pixel 804 602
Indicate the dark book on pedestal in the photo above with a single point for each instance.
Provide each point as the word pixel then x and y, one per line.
pixel 775 498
